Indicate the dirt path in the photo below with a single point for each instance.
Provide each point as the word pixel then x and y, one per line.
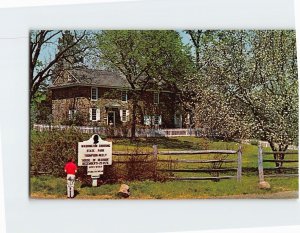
pixel 279 195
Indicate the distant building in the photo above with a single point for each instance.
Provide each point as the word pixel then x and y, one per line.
pixel 98 97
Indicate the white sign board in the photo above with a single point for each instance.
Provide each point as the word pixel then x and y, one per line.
pixel 94 153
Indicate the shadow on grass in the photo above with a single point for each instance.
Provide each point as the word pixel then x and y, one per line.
pixel 161 142
pixel 76 192
pixel 84 185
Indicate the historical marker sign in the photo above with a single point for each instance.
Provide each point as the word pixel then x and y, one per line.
pixel 94 153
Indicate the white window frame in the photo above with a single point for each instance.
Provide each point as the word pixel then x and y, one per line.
pixel 157 120
pixel 124 115
pixel 69 78
pixel 94 88
pixel 154 97
pixel 94 112
pixel 147 120
pixel 126 95
pixel 72 113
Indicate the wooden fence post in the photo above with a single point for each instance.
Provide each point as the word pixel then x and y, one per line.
pixel 239 169
pixel 260 164
pixel 155 159
pixel 155 151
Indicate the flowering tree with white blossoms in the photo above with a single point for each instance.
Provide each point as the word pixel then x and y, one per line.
pixel 254 75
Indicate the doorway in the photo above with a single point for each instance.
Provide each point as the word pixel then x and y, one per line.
pixel 178 120
pixel 111 118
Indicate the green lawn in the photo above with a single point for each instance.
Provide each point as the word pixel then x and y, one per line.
pixel 249 152
pixel 53 187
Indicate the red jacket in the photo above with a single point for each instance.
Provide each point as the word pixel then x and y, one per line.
pixel 71 168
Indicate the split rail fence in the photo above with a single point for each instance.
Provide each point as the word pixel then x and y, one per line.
pixel 279 161
pixel 216 168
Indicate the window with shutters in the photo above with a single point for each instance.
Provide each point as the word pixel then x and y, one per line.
pixel 124 114
pixel 156 98
pixel 94 93
pixel 94 114
pixel 147 120
pixel 124 96
pixel 72 113
pixel 156 120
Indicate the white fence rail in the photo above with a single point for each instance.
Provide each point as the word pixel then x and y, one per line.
pixel 179 132
pixel 121 132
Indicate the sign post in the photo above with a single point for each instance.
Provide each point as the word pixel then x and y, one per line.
pixel 94 153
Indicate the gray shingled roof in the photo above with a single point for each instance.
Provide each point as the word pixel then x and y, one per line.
pixel 96 77
pixel 104 78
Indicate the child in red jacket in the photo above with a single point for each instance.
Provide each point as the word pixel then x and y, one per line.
pixel 70 169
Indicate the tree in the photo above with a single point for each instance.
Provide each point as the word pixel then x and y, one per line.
pixel 42 41
pixel 73 57
pixel 147 59
pixel 256 72
pixel 198 38
pixel 217 118
pixel 40 109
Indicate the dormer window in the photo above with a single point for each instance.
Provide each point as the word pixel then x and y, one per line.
pixel 156 98
pixel 94 93
pixel 124 96
pixel 69 78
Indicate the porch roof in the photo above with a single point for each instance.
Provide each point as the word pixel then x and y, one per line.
pixel 113 105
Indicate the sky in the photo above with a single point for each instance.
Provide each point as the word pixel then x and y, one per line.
pixel 49 51
pixel 184 37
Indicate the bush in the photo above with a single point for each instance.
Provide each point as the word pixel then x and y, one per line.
pixel 138 165
pixel 254 142
pixel 77 120
pixel 50 150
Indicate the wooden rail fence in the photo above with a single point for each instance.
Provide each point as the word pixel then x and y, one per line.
pixel 281 170
pixel 218 162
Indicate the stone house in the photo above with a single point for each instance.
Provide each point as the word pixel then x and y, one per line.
pixel 102 98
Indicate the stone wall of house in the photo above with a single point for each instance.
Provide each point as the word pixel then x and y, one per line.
pixel 109 99
pixel 165 108
pixel 65 99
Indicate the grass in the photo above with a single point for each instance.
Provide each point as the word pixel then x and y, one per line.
pixel 249 151
pixel 189 143
pixel 52 187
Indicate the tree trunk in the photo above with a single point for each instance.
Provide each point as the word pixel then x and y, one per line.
pixel 281 156
pixel 133 122
pixel 277 156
